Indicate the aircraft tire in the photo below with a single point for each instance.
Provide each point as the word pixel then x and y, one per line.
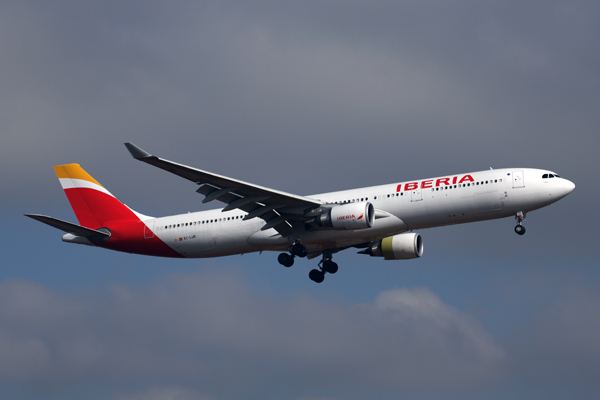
pixel 330 267
pixel 285 259
pixel 316 276
pixel 299 250
pixel 520 229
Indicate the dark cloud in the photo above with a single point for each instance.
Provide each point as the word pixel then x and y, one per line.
pixel 164 393
pixel 202 332
pixel 559 348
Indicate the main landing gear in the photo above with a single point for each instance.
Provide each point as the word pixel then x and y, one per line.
pixel 326 265
pixel 520 217
pixel 296 250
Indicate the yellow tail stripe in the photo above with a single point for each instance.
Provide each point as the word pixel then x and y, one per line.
pixel 73 171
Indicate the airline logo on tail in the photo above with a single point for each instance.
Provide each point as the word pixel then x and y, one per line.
pixel 93 205
pixel 95 208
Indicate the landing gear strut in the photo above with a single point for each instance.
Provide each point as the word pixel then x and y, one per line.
pixel 326 265
pixel 520 217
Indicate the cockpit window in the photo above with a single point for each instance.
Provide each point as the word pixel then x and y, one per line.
pixel 546 176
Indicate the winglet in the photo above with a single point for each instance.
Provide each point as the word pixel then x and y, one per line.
pixel 136 152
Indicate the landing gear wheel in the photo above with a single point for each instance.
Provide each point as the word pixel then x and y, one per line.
pixel 520 229
pixel 285 259
pixel 316 276
pixel 299 250
pixel 330 267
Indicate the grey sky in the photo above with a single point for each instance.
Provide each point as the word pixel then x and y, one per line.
pixel 304 97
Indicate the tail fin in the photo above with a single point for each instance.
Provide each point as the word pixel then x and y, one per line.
pixel 93 205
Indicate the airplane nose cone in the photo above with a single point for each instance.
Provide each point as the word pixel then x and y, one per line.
pixel 568 186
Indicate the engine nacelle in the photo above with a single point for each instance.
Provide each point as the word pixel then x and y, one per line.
pixel 398 247
pixel 348 216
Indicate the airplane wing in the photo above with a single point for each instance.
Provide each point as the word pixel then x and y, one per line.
pixel 278 209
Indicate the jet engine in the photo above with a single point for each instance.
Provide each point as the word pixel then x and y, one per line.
pixel 398 247
pixel 348 216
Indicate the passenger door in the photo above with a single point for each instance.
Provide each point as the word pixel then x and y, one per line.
pixel 149 229
pixel 416 194
pixel 517 179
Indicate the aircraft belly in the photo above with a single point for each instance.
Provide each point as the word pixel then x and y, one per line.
pixel 326 239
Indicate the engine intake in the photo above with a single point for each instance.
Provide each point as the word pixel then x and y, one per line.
pixel 348 216
pixel 398 247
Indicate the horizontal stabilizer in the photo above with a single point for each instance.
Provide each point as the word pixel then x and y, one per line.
pixel 74 229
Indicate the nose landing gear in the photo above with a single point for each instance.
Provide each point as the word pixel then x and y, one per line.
pixel 520 217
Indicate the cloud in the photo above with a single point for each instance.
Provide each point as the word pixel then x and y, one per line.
pixel 352 85
pixel 164 393
pixel 198 332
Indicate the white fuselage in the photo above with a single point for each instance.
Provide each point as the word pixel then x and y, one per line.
pixel 400 207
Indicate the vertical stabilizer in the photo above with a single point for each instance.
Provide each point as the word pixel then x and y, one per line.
pixel 93 205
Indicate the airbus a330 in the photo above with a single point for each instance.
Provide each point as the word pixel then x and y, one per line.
pixel 378 220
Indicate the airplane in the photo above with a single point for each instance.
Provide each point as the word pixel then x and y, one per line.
pixel 378 220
